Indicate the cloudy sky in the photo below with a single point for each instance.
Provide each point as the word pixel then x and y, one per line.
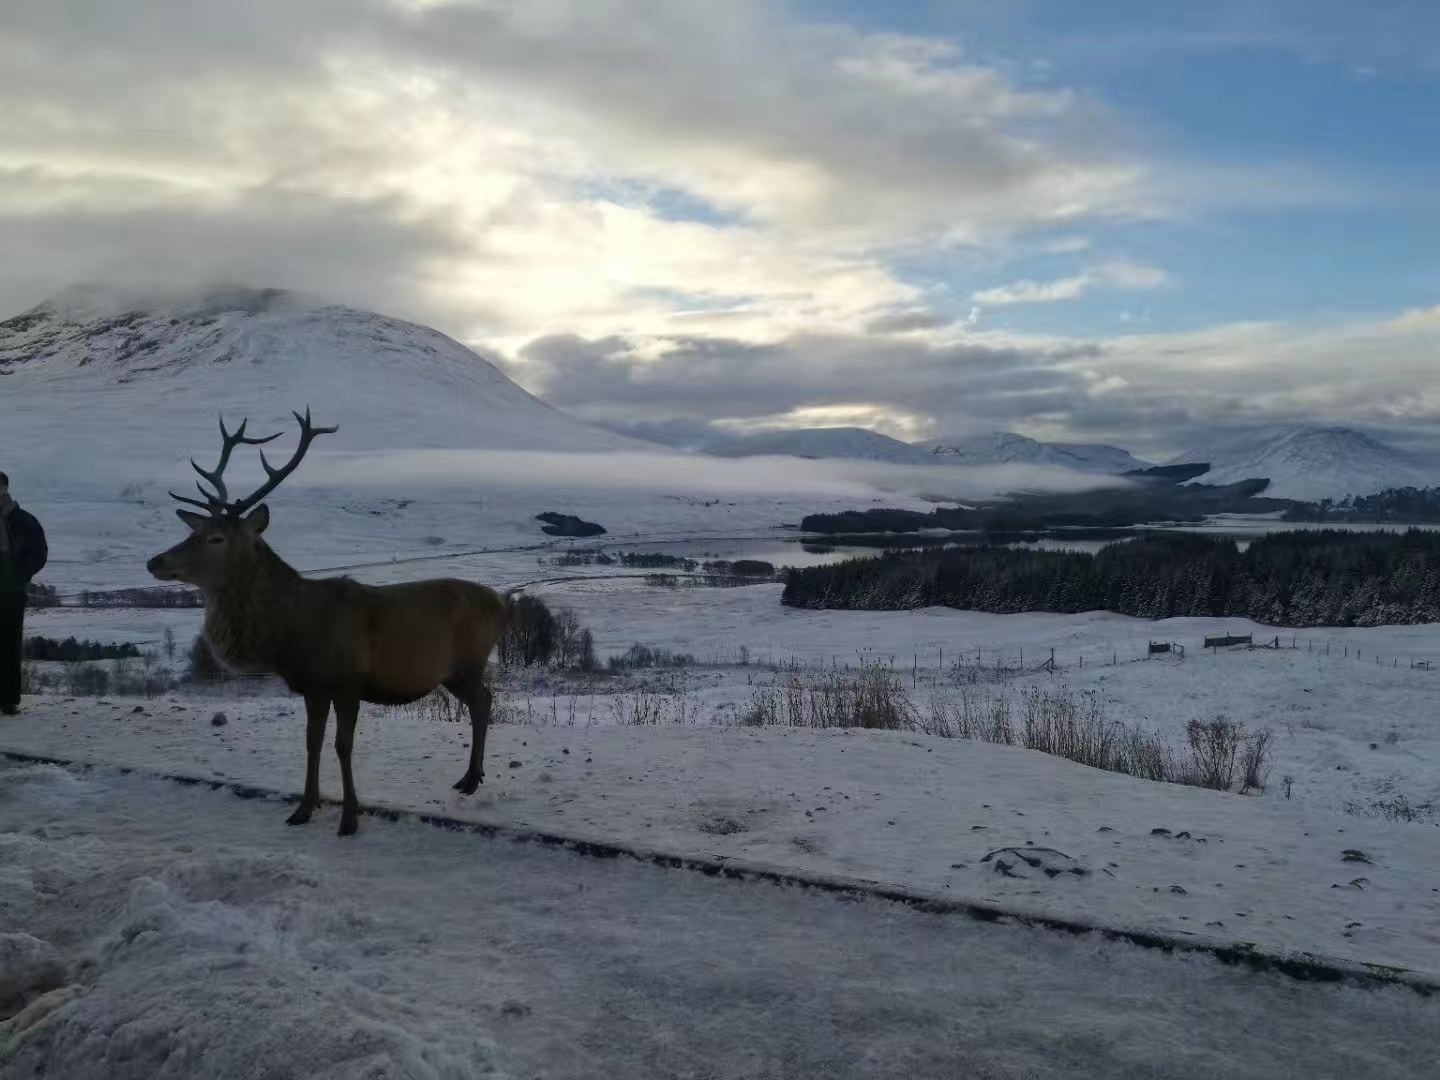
pixel 1122 220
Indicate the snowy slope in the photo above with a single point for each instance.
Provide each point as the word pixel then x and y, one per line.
pixel 857 443
pixel 1313 462
pixel 151 377
pixel 1002 447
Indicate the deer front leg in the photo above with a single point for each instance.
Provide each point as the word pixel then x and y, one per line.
pixel 317 712
pixel 346 713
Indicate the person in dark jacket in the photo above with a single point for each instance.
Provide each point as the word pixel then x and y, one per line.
pixel 23 553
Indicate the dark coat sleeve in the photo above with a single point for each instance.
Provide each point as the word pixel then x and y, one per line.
pixel 29 549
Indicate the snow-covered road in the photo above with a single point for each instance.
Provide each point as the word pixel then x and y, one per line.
pixel 196 940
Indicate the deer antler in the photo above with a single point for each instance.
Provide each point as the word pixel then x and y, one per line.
pixel 216 502
pixel 308 432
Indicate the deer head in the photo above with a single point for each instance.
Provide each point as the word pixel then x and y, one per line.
pixel 227 536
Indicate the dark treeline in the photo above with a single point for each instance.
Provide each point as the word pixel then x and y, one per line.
pixel 71 651
pixel 1320 578
pixel 1143 500
pixel 1401 506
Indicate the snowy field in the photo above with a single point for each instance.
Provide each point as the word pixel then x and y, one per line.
pixel 173 932
pixel 895 808
pixel 153 930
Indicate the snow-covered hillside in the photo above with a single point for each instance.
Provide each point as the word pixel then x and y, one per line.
pixel 1007 447
pixel 846 442
pixel 150 378
pixel 1313 462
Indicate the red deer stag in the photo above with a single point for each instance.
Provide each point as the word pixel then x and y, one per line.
pixel 333 641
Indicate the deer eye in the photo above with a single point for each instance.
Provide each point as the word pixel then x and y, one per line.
pixel 216 539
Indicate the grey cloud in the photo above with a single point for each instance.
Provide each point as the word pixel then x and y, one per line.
pixel 904 321
pixel 359 253
pixel 706 379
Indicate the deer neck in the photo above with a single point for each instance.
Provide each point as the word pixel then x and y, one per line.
pixel 249 620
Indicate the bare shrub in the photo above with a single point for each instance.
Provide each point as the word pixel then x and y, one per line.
pixel 535 635
pixel 529 635
pixel 1214 746
pixel 872 697
pixel 140 678
pixel 1075 727
pixel 585 652
pixel 1255 760
pixel 644 656
pixel 671 700
pixel 86 680
pixel 439 706
pixel 567 639
pixel 1398 808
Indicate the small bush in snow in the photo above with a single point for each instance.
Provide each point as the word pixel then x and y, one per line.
pixel 1214 745
pixel 643 656
pixel 870 697
pixel 530 634
pixel 1397 809
pixel 87 680
pixel 536 635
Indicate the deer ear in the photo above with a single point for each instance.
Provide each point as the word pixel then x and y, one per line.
pixel 257 520
pixel 194 520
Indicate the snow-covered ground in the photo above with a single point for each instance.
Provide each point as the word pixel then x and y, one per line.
pixel 1351 709
pixel 162 932
pixel 896 808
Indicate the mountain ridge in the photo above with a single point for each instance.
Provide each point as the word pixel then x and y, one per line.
pixel 1003 447
pixel 1313 461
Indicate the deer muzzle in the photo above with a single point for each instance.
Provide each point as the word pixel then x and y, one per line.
pixel 159 568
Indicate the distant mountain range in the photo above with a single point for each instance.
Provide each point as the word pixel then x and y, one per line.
pixel 998 448
pixel 859 444
pixel 1308 462
pixel 1008 447
pixel 152 376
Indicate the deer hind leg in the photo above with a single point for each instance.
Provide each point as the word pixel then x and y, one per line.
pixel 317 712
pixel 346 713
pixel 478 700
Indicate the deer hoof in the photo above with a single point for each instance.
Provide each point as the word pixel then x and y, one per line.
pixel 348 824
pixel 469 782
pixel 300 816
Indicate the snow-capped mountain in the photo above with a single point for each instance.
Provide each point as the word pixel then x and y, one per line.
pixel 853 443
pixel 1313 462
pixel 152 375
pixel 1008 447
